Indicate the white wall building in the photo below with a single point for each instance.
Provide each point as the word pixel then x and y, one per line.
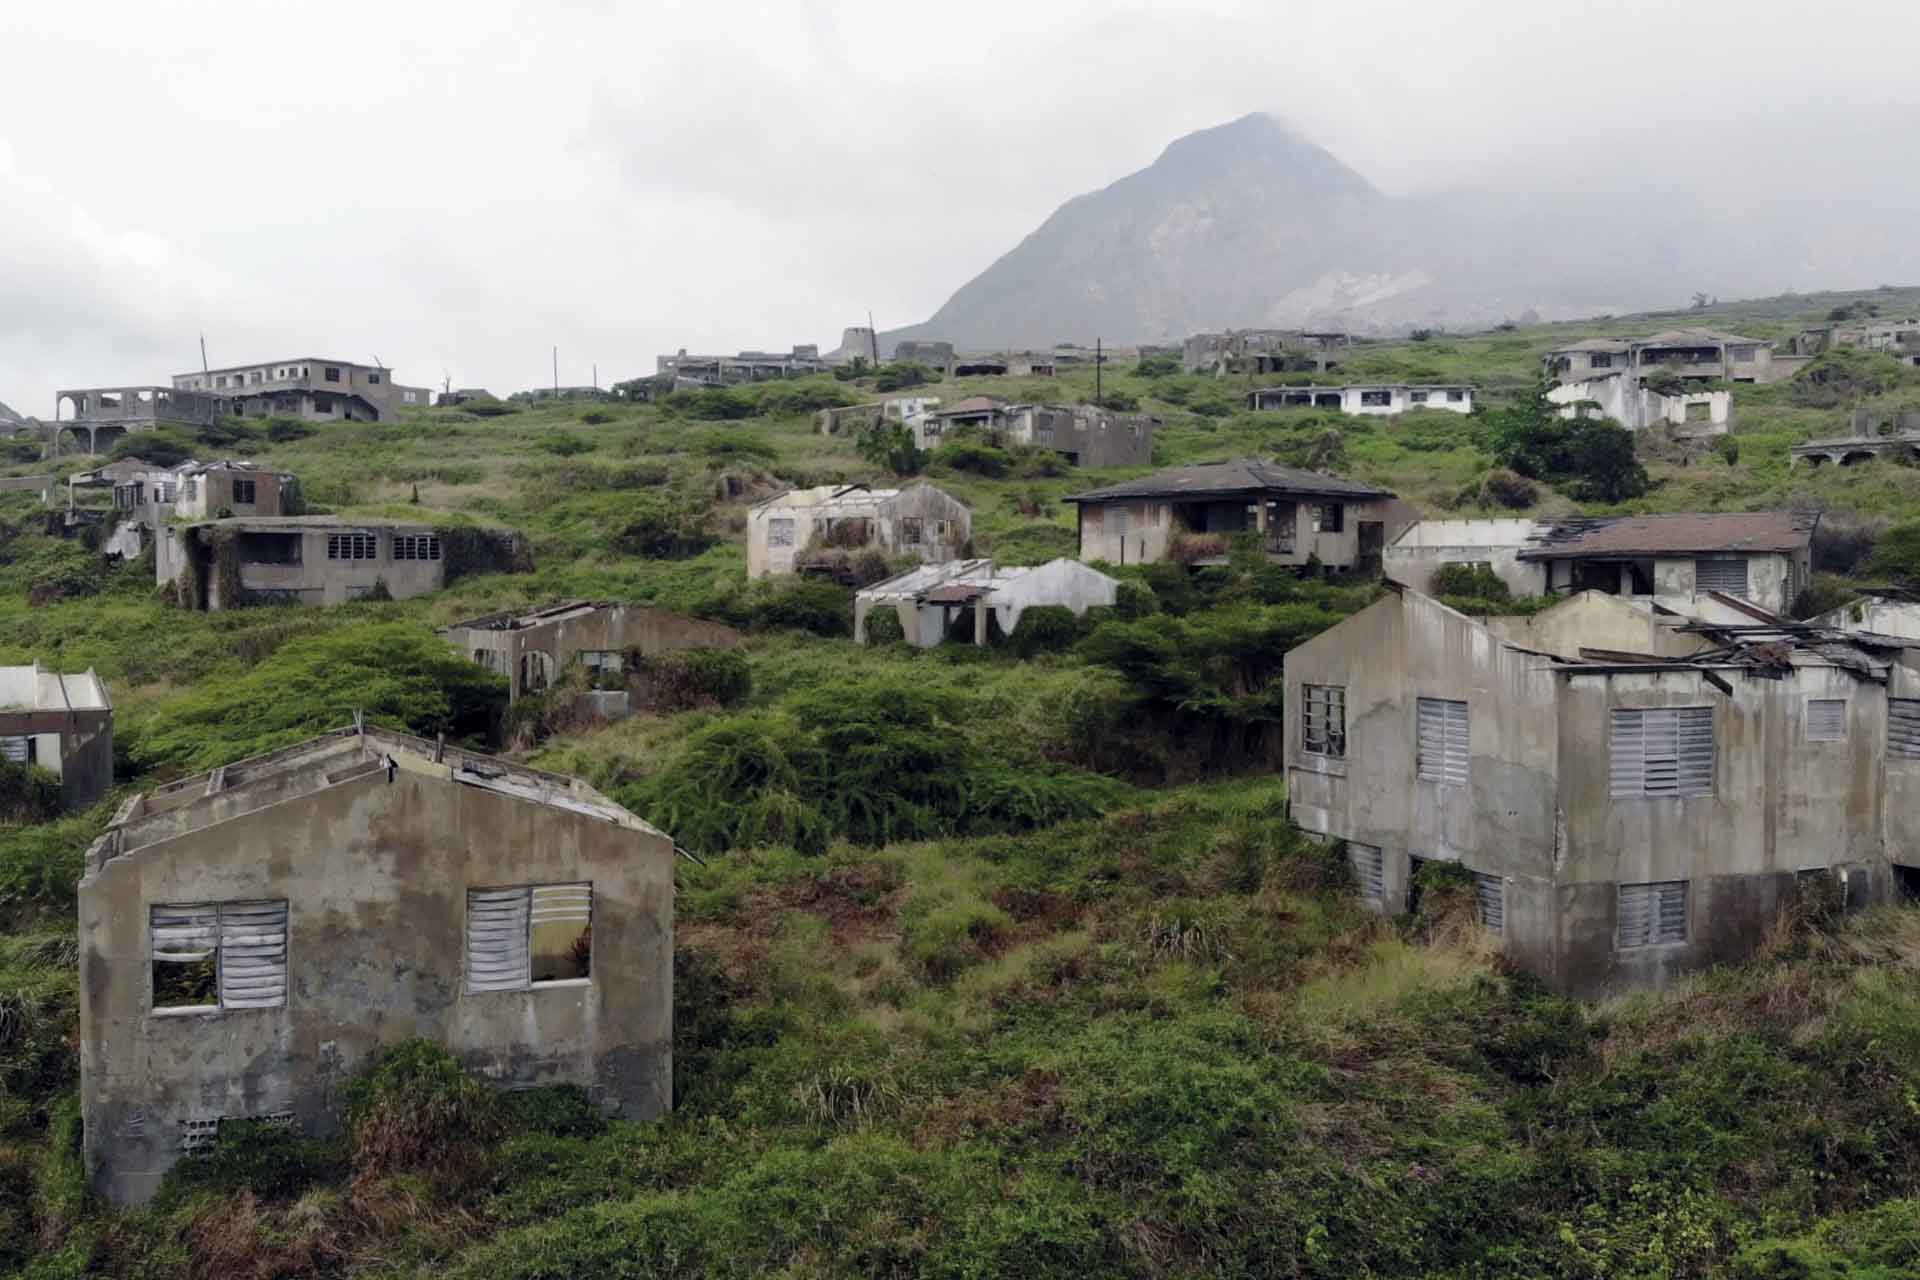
pixel 1366 400
pixel 928 598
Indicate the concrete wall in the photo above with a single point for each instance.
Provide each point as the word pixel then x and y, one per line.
pixel 213 491
pixel 1779 804
pixel 1596 620
pixel 1426 545
pixel 929 505
pixel 375 875
pixel 1089 437
pixel 75 746
pixel 1875 614
pixel 315 580
pixel 616 629
pixel 1150 527
pixel 1503 822
pixel 1354 400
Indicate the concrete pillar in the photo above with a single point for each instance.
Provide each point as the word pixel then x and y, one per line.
pixel 860 610
pixel 980 621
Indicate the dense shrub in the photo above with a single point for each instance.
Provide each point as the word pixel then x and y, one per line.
pixel 563 444
pixel 489 408
pixel 666 526
pixel 1591 459
pixel 708 404
pixel 1165 365
pixel 1843 541
pixel 790 399
pixel 1046 628
pixel 1504 489
pixel 28 793
pixel 904 375
pixel 1846 375
pixel 1472 580
pixel 891 445
pixel 969 455
pixel 737 447
pixel 419 1110
pixel 161 448
pixel 687 678
pixel 1896 556
pixel 883 627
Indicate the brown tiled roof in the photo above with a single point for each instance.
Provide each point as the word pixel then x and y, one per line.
pixel 1230 479
pixel 1689 534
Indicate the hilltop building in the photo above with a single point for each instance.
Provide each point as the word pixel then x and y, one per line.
pixel 102 415
pixel 1262 351
pixel 253 938
pixel 1189 513
pixel 1627 815
pixel 927 599
pixel 683 370
pixel 531 647
pixel 1087 435
pixel 812 530
pixel 60 723
pixel 1380 399
pixel 307 388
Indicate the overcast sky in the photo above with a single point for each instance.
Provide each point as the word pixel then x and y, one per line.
pixel 456 186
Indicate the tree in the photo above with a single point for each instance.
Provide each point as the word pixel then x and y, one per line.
pixel 891 445
pixel 1587 458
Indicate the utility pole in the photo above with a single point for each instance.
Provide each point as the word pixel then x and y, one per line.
pixel 873 339
pixel 556 373
pixel 596 375
pixel 203 353
pixel 1099 361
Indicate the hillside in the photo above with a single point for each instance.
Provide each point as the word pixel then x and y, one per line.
pixel 1099 1012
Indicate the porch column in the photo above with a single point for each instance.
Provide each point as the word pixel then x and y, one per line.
pixel 980 621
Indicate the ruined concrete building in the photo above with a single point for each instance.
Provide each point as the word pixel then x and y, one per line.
pixel 1259 351
pixel 1191 513
pixel 855 418
pixel 308 388
pixel 60 723
pixel 1623 397
pixel 1379 399
pixel 1087 435
pixel 254 937
pixel 146 497
pixel 1895 437
pixel 1626 814
pixel 1698 354
pixel 815 530
pixel 460 396
pixel 1897 338
pixel 933 354
pixel 312 560
pixel 532 647
pixel 683 370
pixel 98 417
pixel 1691 563
pixel 928 599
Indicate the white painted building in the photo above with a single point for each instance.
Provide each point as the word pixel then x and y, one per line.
pixel 928 598
pixel 1380 399
pixel 1635 406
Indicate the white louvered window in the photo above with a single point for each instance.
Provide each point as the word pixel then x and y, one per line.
pixel 1903 728
pixel 1444 741
pixel 1826 719
pixel 1323 720
pixel 780 531
pixel 1653 914
pixel 529 936
pixel 1369 870
pixel 17 749
pixel 352 546
pixel 1721 573
pixel 1660 751
pixel 227 955
pixel 416 546
pixel 1490 892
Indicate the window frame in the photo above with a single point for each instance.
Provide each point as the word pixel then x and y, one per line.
pixel 1438 771
pixel 1685 719
pixel 345 546
pixel 494 899
pixel 1838 734
pixel 1656 910
pixel 1332 701
pixel 245 927
pixel 1329 517
pixel 780 531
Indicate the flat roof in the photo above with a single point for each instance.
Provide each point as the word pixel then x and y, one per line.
pixel 279 524
pixel 260 364
pixel 517 619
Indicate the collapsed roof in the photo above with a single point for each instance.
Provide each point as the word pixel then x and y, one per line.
pixel 1692 533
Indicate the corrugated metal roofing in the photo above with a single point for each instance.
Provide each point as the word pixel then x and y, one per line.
pixel 1686 534
pixel 1225 479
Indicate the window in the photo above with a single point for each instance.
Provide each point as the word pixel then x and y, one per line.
pixel 19 749
pixel 943 531
pixel 1323 720
pixel 1653 915
pixel 352 546
pixel 1456 396
pixel 910 528
pixel 1661 751
pixel 529 936
pixel 228 955
pixel 1743 354
pixel 1826 719
pixel 373 379
pixel 416 546
pixel 1329 517
pixel 1443 742
pixel 1369 870
pixel 1600 360
pixel 1903 728
pixel 331 374
pixel 1490 894
pixel 1699 411
pixel 1722 573
pixel 243 490
pixel 1376 399
pixel 602 661
pixel 162 491
pixel 1417 397
pixel 780 531
pixel 1116 522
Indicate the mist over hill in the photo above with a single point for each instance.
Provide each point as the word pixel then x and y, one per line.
pixel 1251 224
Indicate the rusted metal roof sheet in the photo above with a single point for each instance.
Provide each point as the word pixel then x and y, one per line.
pixel 1754 532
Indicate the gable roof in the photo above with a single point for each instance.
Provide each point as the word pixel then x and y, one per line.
pixel 1228 479
pixel 1696 337
pixel 1686 534
pixel 1609 345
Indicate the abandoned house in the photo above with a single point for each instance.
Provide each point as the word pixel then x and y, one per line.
pixel 532 647
pixel 307 388
pixel 1690 353
pixel 460 396
pixel 1002 364
pixel 1623 397
pixel 60 723
pixel 1189 514
pixel 97 417
pixel 749 366
pixel 1087 435
pixel 254 937
pixel 1897 338
pixel 1262 351
pixel 310 560
pixel 932 353
pixel 1879 611
pixel 854 418
pixel 1694 564
pixel 145 496
pixel 929 599
pixel 1626 816
pixel 1897 440
pixel 815 530
pixel 1366 400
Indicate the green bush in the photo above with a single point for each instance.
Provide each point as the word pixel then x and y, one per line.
pixel 489 408
pixel 1045 628
pixel 418 1109
pixel 1160 366
pixel 681 679
pixel 563 444
pixel 805 604
pixel 665 526
pixel 1475 580
pixel 708 404
pixel 1591 459
pixel 968 455
pixel 28 793
pixel 883 627
pixel 1895 558
pixel 904 375
pixel 891 445
pixel 736 446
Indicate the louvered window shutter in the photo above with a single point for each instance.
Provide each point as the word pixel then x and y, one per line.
pixel 1903 728
pixel 1653 914
pixel 1660 751
pixel 1722 573
pixel 253 955
pixel 1369 870
pixel 185 934
pixel 1444 747
pixel 1826 719
pixel 14 749
pixel 1491 891
pixel 498 958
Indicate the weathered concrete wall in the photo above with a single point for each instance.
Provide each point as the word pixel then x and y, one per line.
pixel 375 875
pixel 1412 558
pixel 1141 531
pixel 1773 579
pixel 213 491
pixel 1089 437
pixel 934 508
pixel 75 746
pixel 1779 804
pixel 615 629
pixel 1386 657
pixel 314 580
pixel 1596 620
pixel 1877 615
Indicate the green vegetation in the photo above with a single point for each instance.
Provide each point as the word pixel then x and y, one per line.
pixel 1000 961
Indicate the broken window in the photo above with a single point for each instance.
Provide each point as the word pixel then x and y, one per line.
pixel 1323 720
pixel 1653 914
pixel 780 531
pixel 243 490
pixel 1699 411
pixel 1329 517
pixel 416 546
pixel 1903 728
pixel 1826 719
pixel 1600 360
pixel 18 749
pixel 1490 896
pixel 269 548
pixel 1369 870
pixel 1444 742
pixel 910 531
pixel 230 955
pixel 1661 751
pixel 529 936
pixel 1722 573
pixel 943 531
pixel 1743 354
pixel 1376 399
pixel 352 546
